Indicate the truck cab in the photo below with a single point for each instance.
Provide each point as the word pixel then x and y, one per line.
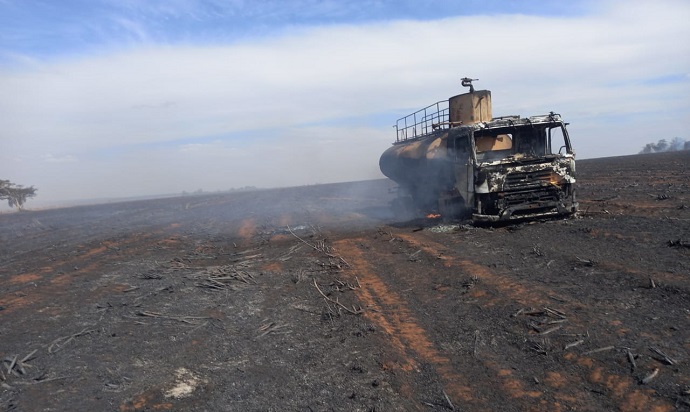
pixel 510 168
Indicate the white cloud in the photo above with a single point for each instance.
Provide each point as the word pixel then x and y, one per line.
pixel 50 158
pixel 140 103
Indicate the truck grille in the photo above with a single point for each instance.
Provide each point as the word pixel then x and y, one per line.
pixel 527 180
pixel 533 197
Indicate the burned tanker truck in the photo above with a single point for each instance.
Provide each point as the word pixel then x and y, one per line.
pixel 455 159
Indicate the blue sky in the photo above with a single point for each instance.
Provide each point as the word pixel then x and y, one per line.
pixel 110 98
pixel 54 28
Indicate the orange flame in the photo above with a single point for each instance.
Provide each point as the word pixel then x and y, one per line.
pixel 433 216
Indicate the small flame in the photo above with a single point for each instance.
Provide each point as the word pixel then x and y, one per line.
pixel 433 216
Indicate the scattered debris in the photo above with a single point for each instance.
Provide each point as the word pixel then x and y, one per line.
pixel 476 342
pixel 573 344
pixel 17 366
pixel 43 378
pixel 272 327
pixel 586 262
pixel 413 257
pixel 556 298
pixel 341 286
pixel 60 342
pixel 649 377
pixel 354 310
pixel 549 330
pixel 444 228
pixel 184 319
pixel 679 243
pixel 518 313
pixel 588 212
pixel 536 250
pixel 151 276
pixel 631 359
pixel 288 255
pixel 320 247
pixel 664 357
pixel 604 349
pixel 298 276
pixel 450 404
pixel 540 347
pixel 555 312
pixel 221 277
pixel 605 199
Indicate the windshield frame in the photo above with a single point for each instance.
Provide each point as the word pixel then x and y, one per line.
pixel 528 140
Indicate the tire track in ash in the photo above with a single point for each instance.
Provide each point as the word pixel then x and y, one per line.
pixel 496 291
pixel 623 389
pixel 406 335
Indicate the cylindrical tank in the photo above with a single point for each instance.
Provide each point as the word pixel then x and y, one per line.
pixel 421 166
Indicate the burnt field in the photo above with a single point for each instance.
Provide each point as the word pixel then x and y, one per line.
pixel 316 299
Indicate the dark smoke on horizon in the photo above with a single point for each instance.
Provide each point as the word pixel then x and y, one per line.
pixel 664 145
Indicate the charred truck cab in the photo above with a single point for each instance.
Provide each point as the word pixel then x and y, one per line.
pixel 454 158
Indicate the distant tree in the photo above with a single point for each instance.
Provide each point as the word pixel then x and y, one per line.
pixel 15 195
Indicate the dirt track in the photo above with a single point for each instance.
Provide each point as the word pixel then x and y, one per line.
pixel 217 302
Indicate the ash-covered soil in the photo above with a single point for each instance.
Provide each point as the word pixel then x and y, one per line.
pixel 316 299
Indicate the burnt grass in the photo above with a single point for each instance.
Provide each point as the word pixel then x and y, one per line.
pixel 316 298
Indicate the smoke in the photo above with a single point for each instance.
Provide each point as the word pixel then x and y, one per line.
pixel 664 145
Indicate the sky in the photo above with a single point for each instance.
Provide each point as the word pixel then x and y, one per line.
pixel 122 98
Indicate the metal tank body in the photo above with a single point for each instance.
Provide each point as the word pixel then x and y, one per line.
pixel 421 167
pixel 419 160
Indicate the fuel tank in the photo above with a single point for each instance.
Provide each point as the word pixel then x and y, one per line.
pixel 419 160
pixel 420 166
pixel 409 160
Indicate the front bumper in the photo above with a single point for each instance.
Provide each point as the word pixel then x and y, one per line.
pixel 505 206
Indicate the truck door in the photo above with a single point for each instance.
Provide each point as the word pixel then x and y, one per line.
pixel 463 167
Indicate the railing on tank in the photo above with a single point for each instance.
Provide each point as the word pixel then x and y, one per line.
pixel 423 122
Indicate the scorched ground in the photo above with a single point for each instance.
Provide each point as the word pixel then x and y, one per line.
pixel 316 298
